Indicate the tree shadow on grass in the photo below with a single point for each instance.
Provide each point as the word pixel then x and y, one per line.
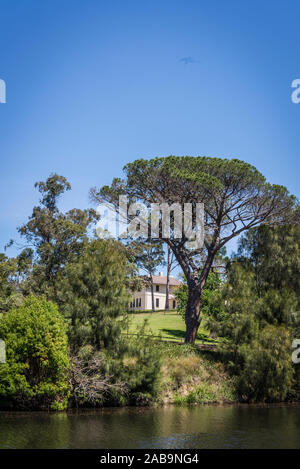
pixel 176 333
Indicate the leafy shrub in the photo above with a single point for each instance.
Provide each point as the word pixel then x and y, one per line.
pixel 266 373
pixel 207 393
pixel 93 295
pixel 139 367
pixel 127 374
pixel 202 394
pixel 35 372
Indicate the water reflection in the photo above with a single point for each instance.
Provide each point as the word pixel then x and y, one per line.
pixel 168 427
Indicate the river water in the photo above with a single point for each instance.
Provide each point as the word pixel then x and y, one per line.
pixel 168 427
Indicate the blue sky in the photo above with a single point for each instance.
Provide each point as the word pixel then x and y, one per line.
pixel 92 85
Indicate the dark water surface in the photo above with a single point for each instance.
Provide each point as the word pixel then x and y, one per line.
pixel 168 427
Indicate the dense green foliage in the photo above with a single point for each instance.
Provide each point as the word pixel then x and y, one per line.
pixel 93 295
pixel 9 295
pixel 138 367
pixel 235 197
pixel 90 280
pixel 261 303
pixel 272 254
pixel 127 374
pixel 94 298
pixel 63 299
pixel 265 371
pixel 35 373
pixel 256 310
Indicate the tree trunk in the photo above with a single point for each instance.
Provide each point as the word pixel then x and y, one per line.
pixel 192 315
pixel 167 294
pixel 168 281
pixel 196 285
pixel 152 294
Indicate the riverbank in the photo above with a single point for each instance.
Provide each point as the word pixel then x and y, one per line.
pixel 191 376
pixel 188 376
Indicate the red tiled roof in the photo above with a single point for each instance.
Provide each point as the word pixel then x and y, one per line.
pixel 162 280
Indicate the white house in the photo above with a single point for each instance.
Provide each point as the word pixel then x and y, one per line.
pixel 142 299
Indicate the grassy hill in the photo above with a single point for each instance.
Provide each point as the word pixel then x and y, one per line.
pixel 169 325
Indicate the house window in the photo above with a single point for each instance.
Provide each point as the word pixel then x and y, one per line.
pixel 140 302
pixel 157 287
pixel 157 302
pixel 174 304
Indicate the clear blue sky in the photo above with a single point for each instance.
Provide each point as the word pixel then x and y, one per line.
pixel 92 85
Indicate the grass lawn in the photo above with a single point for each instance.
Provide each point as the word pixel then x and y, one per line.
pixel 169 325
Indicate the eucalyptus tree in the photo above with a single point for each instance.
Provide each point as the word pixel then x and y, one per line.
pixel 53 237
pixel 236 197
pixel 8 290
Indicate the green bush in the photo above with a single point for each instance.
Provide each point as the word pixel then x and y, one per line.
pixel 202 394
pixel 93 295
pixel 127 374
pixel 135 362
pixel 35 372
pixel 267 372
pixel 139 367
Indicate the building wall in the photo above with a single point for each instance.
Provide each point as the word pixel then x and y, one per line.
pixel 143 301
